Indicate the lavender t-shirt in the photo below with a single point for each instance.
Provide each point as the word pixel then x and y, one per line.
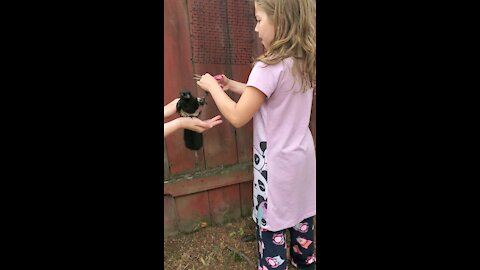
pixel 283 148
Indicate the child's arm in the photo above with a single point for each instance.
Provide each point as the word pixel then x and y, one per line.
pixel 170 108
pixel 191 123
pixel 240 113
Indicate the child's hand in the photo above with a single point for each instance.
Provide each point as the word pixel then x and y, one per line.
pixel 222 81
pixel 207 81
pixel 198 125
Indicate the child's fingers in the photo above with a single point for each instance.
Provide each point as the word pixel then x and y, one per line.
pixel 222 80
pixel 210 123
pixel 215 118
pixel 219 78
pixel 215 123
pixel 199 83
pixel 201 124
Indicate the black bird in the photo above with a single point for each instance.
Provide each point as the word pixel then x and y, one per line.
pixel 190 106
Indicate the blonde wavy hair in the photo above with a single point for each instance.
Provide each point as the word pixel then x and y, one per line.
pixel 295 36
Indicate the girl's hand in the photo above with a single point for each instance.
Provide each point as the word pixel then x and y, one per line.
pixel 222 81
pixel 198 125
pixel 207 82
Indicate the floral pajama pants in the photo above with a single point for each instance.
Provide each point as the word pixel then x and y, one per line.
pixel 272 247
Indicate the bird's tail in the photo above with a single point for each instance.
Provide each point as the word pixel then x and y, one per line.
pixel 193 140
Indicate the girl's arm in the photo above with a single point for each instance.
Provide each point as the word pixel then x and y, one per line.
pixel 170 108
pixel 240 113
pixel 170 127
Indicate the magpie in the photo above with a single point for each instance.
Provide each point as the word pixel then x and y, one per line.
pixel 190 106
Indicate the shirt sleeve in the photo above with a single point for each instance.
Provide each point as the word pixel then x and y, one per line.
pixel 265 77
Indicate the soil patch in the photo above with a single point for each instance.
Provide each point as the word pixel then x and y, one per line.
pixel 224 247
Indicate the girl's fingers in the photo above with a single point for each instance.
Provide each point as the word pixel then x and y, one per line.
pixel 216 118
pixel 218 122
pixel 215 121
pixel 199 125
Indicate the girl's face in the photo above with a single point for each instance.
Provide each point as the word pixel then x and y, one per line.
pixel 264 27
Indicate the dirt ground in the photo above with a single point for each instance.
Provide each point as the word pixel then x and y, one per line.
pixel 226 247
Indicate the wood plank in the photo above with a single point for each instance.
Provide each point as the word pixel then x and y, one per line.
pixel 190 186
pixel 178 73
pixel 224 204
pixel 169 216
pixel 246 198
pixel 192 210
pixel 166 167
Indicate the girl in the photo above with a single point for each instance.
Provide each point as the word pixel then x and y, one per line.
pixel 191 123
pixel 278 96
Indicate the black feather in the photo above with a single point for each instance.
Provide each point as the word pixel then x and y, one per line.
pixel 189 106
pixel 193 140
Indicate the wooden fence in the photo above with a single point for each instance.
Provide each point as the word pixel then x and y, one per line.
pixel 213 184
